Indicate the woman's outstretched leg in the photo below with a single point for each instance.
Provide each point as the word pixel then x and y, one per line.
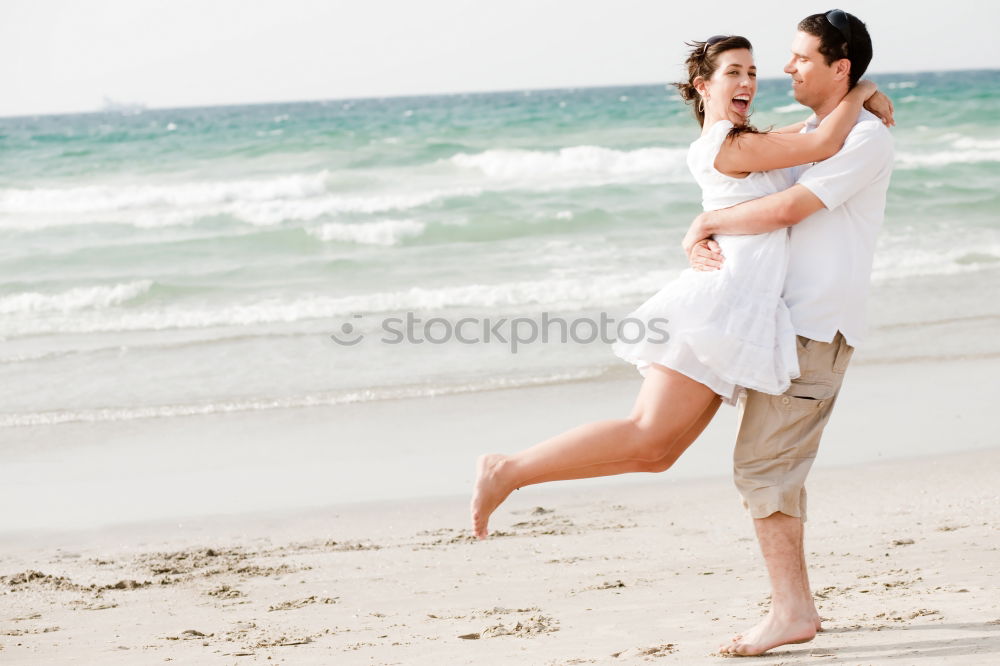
pixel 626 466
pixel 669 413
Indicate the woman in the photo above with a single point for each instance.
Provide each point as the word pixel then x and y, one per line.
pixel 728 329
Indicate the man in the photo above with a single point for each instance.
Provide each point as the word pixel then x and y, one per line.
pixel 835 212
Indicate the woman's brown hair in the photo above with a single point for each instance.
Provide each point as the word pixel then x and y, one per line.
pixel 703 61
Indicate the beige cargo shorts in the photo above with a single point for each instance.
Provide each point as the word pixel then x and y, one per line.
pixel 779 434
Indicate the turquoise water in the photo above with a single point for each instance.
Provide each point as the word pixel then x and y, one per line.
pixel 193 261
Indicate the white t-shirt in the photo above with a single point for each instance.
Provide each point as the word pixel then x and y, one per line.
pixel 829 270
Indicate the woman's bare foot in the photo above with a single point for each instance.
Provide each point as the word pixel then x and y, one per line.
pixel 770 633
pixel 490 491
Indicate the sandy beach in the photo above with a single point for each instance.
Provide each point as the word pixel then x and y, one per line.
pixel 642 568
pixel 272 282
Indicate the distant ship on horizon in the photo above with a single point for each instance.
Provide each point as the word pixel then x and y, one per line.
pixel 124 108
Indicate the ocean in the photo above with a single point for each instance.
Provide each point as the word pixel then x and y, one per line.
pixel 168 263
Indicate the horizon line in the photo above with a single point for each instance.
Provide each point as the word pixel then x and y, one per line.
pixel 435 94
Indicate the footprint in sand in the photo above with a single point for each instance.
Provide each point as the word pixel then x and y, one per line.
pixel 301 603
pixel 532 625
pixel 225 592
pixel 655 651
pixel 527 627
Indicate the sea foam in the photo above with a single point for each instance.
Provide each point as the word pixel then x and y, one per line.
pixel 274 212
pixel 516 298
pixel 893 263
pixel 73 300
pixel 306 197
pixel 962 150
pixel 577 160
pixel 383 232
pixel 109 198
pixel 257 212
pixel 945 157
pixel 790 108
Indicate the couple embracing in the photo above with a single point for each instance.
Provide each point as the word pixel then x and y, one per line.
pixel 770 312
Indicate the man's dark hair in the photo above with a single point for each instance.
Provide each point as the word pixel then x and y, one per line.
pixel 834 45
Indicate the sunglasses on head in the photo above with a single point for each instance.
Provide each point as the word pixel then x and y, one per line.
pixel 838 19
pixel 712 41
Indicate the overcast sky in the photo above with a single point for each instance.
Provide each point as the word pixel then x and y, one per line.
pixel 63 56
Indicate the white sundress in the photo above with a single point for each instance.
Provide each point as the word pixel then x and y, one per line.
pixel 728 329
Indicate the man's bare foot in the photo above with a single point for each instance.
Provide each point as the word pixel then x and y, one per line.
pixel 770 633
pixel 816 618
pixel 489 492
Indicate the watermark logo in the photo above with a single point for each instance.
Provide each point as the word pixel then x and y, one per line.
pixel 515 332
pixel 348 335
